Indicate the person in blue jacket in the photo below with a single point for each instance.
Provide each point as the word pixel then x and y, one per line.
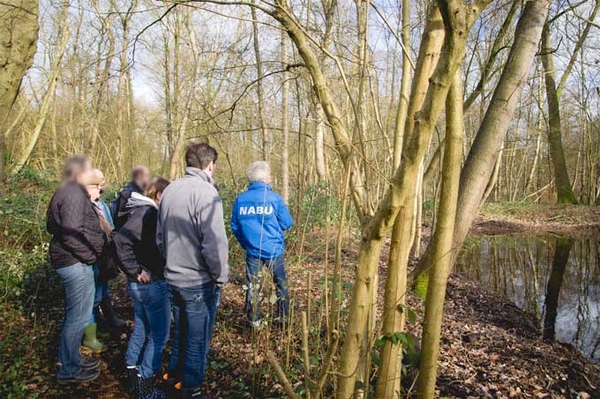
pixel 258 221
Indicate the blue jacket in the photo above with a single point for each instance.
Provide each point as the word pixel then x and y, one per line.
pixel 258 220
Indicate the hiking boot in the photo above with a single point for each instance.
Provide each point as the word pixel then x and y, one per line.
pixel 90 340
pixel 147 390
pixel 171 385
pixel 132 381
pixel 110 315
pixel 91 364
pixel 81 378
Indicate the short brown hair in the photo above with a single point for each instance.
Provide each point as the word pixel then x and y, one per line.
pixel 200 155
pixel 156 186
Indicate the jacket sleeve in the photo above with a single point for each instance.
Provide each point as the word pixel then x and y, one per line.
pixel 213 238
pixel 160 242
pixel 236 228
pixel 125 241
pixel 283 215
pixel 72 225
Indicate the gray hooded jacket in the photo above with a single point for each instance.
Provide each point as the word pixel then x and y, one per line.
pixel 191 232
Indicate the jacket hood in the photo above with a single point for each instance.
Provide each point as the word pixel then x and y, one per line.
pixel 137 199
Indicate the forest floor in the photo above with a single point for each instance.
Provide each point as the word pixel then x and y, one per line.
pixel 489 348
pixel 577 220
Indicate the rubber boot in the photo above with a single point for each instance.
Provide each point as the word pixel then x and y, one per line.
pixel 110 315
pixel 147 390
pixel 90 340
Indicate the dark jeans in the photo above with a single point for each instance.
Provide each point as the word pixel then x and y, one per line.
pixel 101 291
pixel 152 319
pixel 194 312
pixel 78 282
pixel 276 266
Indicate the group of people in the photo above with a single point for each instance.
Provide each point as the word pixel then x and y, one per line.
pixel 169 239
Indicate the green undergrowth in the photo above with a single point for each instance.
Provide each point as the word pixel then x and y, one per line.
pixel 27 286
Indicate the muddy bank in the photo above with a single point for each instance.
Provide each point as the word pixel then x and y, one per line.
pixel 491 348
pixel 567 220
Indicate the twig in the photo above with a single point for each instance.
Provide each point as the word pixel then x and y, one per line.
pixel 328 363
pixel 306 353
pixel 287 387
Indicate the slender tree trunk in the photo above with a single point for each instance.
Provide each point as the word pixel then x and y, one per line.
pixel 320 144
pixel 443 248
pixel 259 87
pixel 404 85
pixel 564 191
pixel 19 32
pixel 325 96
pixel 285 123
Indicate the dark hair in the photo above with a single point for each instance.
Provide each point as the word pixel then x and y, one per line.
pixel 156 186
pixel 74 166
pixel 200 155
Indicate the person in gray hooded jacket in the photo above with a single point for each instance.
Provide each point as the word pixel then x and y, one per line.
pixel 191 235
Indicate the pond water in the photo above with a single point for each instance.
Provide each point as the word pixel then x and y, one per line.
pixel 555 278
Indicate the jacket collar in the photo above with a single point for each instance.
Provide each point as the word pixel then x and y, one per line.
pixel 259 185
pixel 135 188
pixel 195 172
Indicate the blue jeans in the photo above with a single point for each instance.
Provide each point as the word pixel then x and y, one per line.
pixel 276 266
pixel 78 282
pixel 194 313
pixel 101 291
pixel 152 319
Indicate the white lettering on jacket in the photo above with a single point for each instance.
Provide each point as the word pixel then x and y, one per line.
pixel 258 210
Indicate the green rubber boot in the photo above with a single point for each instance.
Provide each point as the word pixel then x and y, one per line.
pixel 90 340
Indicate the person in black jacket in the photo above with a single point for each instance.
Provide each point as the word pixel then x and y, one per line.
pixel 77 242
pixel 140 178
pixel 144 265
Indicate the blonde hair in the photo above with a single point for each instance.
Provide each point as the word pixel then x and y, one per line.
pixel 94 177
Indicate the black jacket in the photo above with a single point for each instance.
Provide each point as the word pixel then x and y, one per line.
pixel 75 227
pixel 123 211
pixel 135 243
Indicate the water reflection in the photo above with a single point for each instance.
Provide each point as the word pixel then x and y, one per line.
pixel 557 279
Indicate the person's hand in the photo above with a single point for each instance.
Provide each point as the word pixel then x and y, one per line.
pixel 144 277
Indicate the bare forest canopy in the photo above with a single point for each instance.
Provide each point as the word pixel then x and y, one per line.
pixel 393 106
